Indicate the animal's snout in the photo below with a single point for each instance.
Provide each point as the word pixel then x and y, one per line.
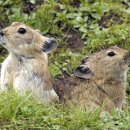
pixel 126 57
pixel 1 33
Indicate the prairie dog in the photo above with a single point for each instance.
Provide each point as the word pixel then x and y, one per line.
pixel 99 80
pixel 26 67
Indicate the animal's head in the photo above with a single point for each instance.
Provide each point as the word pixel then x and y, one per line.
pixel 22 39
pixel 109 63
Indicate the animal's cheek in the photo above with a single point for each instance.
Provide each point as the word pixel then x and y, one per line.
pixel 28 38
pixel 15 40
pixel 29 41
pixel 106 64
pixel 25 39
pixel 6 35
pixel 6 39
pixel 11 42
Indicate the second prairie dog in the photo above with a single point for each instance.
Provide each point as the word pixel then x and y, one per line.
pixel 26 67
pixel 99 80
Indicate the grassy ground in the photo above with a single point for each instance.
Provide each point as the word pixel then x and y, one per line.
pixel 81 27
pixel 23 113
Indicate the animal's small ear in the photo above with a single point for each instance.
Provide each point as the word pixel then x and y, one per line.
pixel 15 23
pixel 49 45
pixel 37 30
pixel 85 60
pixel 83 72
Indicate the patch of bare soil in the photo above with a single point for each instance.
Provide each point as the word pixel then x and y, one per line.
pixel 75 43
pixel 60 83
pixel 76 3
pixel 4 122
pixel 28 6
pixel 64 84
pixel 109 20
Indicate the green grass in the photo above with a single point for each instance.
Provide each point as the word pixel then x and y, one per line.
pixel 21 113
pixel 100 24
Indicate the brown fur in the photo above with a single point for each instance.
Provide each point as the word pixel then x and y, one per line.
pixel 26 67
pixel 105 84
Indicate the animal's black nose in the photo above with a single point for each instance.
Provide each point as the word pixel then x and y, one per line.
pixel 1 33
pixel 126 57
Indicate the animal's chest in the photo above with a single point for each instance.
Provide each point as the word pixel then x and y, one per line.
pixel 23 68
pixel 25 74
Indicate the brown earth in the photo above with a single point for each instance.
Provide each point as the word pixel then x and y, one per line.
pixel 109 20
pixel 59 84
pixel 75 43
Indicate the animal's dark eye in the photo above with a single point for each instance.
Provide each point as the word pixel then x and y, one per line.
pixel 22 30
pixel 111 53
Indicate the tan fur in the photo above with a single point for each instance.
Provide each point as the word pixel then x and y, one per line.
pixel 26 67
pixel 107 84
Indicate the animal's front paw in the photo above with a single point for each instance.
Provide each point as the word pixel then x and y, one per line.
pixel 53 96
pixel 50 96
